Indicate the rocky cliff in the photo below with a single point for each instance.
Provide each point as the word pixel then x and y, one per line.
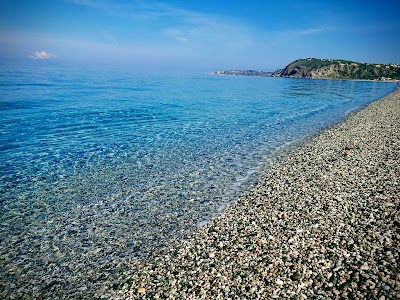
pixel 327 69
pixel 340 69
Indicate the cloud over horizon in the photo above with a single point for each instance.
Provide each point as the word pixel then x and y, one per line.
pixel 41 55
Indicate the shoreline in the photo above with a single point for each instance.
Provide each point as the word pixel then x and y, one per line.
pixel 397 81
pixel 323 223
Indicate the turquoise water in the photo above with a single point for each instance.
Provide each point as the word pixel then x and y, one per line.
pixel 97 168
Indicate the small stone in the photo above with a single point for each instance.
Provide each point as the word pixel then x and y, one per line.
pixel 279 282
pixel 59 254
pixel 382 297
pixel 295 276
pixel 364 267
pixel 345 285
pixel 141 290
pixel 385 287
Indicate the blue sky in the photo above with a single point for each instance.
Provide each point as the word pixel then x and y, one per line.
pixel 199 35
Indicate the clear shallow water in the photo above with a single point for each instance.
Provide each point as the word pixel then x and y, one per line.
pixel 97 168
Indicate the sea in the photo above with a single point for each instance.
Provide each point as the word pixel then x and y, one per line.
pixel 99 168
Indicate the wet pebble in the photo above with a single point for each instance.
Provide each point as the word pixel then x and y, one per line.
pixel 295 276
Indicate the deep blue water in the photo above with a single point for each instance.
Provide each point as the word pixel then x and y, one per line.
pixel 92 159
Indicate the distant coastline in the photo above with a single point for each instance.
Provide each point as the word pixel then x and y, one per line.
pixel 327 69
pixel 243 73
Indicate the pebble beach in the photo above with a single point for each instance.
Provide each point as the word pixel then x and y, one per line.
pixel 323 223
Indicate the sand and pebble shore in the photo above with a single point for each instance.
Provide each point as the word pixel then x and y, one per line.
pixel 323 224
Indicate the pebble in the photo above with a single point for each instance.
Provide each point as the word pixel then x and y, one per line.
pixel 295 276
pixel 364 267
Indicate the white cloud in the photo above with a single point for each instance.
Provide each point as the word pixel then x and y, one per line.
pixel 41 55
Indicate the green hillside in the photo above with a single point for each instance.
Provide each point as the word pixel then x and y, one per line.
pixel 340 69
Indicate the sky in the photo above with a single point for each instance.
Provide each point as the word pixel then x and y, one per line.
pixel 198 35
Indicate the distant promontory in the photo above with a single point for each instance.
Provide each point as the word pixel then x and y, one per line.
pixel 327 69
